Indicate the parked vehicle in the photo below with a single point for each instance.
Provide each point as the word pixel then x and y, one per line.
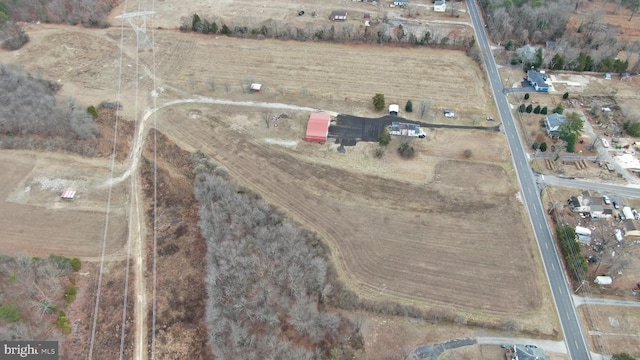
pixel 616 205
pixel 491 118
pixel 605 143
pixel 606 200
pixel 449 113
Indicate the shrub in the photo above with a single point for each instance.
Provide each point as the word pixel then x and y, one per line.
pixel 75 264
pixel 379 152
pixel 64 263
pixel 536 110
pixel 526 96
pixel 385 138
pixel 91 110
pixel 509 45
pixel 378 102
pixel 543 147
pixel 529 109
pixel 522 108
pixel 565 95
pixel 468 153
pixel 544 111
pixel 559 109
pixel 9 313
pixel 632 129
pixel 535 146
pixel 63 322
pixel 409 106
pixel 406 150
pixel 70 294
pixel 622 356
pixel 225 30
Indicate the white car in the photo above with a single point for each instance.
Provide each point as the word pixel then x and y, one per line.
pixel 449 113
pixel 605 143
pixel 606 200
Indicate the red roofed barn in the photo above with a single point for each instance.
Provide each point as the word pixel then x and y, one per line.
pixel 318 127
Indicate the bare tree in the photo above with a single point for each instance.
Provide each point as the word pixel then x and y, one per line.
pixel 425 107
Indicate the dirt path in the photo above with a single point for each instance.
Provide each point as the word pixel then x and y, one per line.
pixel 137 231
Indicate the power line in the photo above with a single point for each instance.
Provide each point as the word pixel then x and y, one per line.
pixel 109 194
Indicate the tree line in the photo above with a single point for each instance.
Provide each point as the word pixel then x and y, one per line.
pixel 378 32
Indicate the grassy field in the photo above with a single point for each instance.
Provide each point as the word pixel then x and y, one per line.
pixel 613 327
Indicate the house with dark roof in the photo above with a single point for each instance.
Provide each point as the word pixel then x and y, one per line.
pixel 553 124
pixel 538 80
pixel 530 352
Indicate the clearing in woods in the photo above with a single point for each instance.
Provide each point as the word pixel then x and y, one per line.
pixel 36 221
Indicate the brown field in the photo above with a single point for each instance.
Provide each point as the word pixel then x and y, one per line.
pixel 423 241
pixel 316 74
pixel 617 327
pixel 35 221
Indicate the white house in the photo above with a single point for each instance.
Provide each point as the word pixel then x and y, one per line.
pixel 440 6
pixel 401 2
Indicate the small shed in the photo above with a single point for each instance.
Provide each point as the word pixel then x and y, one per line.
pixel 338 15
pixel 255 87
pixel 603 280
pixel 625 76
pixel 607 76
pixel 318 127
pixel 400 2
pixel 68 195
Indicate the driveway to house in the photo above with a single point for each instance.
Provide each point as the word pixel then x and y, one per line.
pixel 579 300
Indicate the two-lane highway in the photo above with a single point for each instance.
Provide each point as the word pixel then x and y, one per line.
pixel 573 335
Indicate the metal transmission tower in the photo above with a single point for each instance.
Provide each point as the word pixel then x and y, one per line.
pixel 142 38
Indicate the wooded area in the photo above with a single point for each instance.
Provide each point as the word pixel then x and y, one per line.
pixel 86 12
pixel 29 106
pixel 33 296
pixel 266 279
pixel 594 46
